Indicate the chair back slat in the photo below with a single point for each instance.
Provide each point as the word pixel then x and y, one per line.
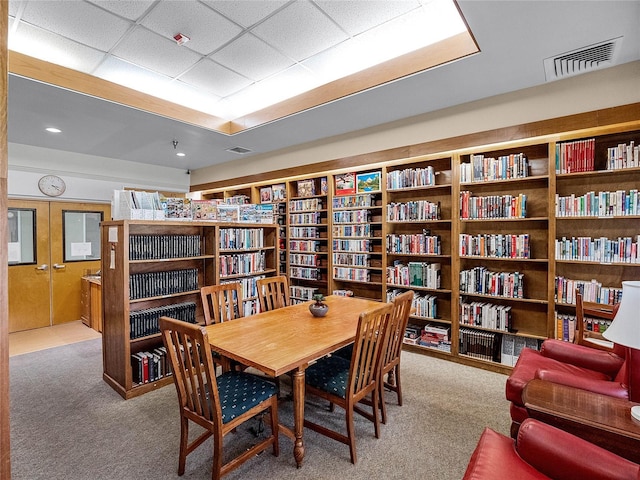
pixel 221 303
pixel 193 369
pixel 370 339
pixel 273 293
pixel 397 326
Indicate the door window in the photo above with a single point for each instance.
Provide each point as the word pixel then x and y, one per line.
pixel 81 231
pixel 22 236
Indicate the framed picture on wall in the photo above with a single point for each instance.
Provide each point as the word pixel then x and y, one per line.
pixel 368 182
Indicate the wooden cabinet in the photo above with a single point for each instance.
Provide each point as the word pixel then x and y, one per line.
pixel 91 302
pixel 155 268
pixel 510 227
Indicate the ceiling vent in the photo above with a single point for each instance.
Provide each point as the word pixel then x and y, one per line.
pixel 593 57
pixel 238 150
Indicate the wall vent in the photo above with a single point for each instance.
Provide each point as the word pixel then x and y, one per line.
pixel 238 150
pixel 582 60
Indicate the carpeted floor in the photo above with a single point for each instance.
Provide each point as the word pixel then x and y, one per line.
pixel 66 423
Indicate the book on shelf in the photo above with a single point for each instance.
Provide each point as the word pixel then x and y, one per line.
pixel 204 209
pixel 306 188
pixel 368 182
pixel 324 186
pixel 176 208
pixel 278 192
pixel 345 183
pixel 228 213
pixel 266 195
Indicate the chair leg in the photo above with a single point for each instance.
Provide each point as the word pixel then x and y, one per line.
pixel 275 429
pixel 398 384
pixel 375 405
pixel 351 435
pixel 184 442
pixel 216 467
pixel 383 406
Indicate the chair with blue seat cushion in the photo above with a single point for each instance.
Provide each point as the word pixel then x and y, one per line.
pixel 346 382
pixel 218 404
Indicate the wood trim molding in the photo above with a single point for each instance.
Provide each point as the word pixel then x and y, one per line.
pixel 5 426
pixel 555 126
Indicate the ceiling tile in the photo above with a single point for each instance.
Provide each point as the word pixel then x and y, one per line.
pixel 252 58
pixel 156 53
pixel 356 17
pixel 246 12
pixel 131 9
pixel 206 29
pixel 300 30
pixel 79 21
pixel 215 78
pixel 39 43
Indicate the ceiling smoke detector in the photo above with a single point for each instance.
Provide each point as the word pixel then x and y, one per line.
pixel 180 38
pixel 582 60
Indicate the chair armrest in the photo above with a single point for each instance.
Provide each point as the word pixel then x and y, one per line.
pixel 581 356
pixel 563 456
pixel 604 387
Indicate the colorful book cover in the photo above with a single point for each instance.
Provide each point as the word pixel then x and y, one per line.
pixel 368 182
pixel 279 192
pixel 266 195
pixel 306 188
pixel 345 183
pixel 204 209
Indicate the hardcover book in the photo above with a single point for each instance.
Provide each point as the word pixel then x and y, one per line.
pixel 306 188
pixel 279 192
pixel 345 183
pixel 266 195
pixel 368 182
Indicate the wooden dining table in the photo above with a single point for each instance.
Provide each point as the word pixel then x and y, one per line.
pixel 287 340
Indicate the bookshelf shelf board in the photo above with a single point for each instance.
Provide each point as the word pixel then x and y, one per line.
pixel 244 250
pixel 310 196
pixel 404 222
pixel 310 280
pixel 356 251
pixel 438 351
pixel 418 287
pixel 485 329
pixel 418 255
pixel 314 210
pixel 525 219
pixel 308 225
pixel 598 173
pixel 420 189
pixel 431 319
pixel 364 267
pixel 528 180
pixel 504 259
pixel 160 297
pixel 605 264
pixel 308 252
pixel 145 338
pixel 357 281
pixel 511 299
pixel 505 369
pixel 355 238
pixel 252 274
pixel 177 259
pixel 605 217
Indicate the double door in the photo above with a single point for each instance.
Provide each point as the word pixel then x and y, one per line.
pixel 51 245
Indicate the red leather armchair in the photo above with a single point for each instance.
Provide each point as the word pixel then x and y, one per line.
pixel 541 451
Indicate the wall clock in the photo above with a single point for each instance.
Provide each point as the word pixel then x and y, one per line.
pixel 52 185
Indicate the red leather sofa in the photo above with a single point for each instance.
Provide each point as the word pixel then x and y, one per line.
pixel 615 373
pixel 541 451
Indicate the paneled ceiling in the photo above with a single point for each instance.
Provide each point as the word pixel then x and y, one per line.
pixel 234 45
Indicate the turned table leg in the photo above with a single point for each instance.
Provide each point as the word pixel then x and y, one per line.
pixel 298 415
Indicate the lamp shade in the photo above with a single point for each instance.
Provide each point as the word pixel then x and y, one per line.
pixel 625 328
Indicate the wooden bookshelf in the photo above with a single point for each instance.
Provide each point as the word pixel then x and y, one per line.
pixel 533 315
pixel 130 251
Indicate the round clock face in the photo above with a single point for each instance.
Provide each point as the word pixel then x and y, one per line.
pixel 52 185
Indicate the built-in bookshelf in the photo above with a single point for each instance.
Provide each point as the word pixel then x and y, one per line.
pixel 500 222
pixel 356 235
pixel 156 268
pixel 308 238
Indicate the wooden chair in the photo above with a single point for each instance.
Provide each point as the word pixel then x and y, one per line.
pixel 586 337
pixel 390 363
pixel 346 382
pixel 273 292
pixel 202 396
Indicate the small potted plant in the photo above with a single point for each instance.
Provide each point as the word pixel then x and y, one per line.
pixel 318 308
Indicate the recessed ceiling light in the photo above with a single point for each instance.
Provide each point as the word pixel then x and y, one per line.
pixel 53 130
pixel 180 154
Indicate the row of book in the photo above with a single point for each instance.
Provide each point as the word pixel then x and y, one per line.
pixel 482 169
pixel 245 263
pixel 566 325
pixel 303 259
pixel 480 344
pixel 413 211
pixel 486 315
pixel 415 274
pixel 485 282
pixel 351 216
pixel 495 245
pixel 352 245
pixel 249 285
pixel 423 305
pixel 623 156
pixel 241 238
pixel 143 323
pixel 363 230
pixel 602 204
pixel 417 243
pixel 304 246
pixel 305 273
pixel 301 293
pixel 576 156
pixel 223 211
pixel 429 336
pixel 304 232
pixel 591 290
pixel 156 284
pixel 601 250
pixel 310 218
pixel 305 205
pixel 355 274
pixel 492 206
pixel 150 366
pixel 411 178
pixel 155 247
pixel 351 201
pixel 356 259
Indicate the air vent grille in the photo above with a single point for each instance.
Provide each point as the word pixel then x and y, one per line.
pixel 239 150
pixel 583 60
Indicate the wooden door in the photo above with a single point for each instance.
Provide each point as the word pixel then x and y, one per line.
pixel 29 265
pixel 46 290
pixel 75 252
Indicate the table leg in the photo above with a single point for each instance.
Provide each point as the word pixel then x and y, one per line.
pixel 298 415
